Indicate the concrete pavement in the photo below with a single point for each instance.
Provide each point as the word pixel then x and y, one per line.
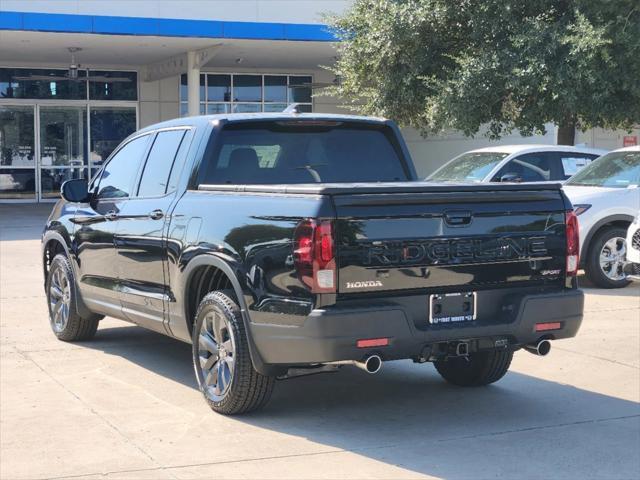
pixel 126 406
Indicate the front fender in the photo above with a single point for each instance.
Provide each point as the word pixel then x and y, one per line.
pixel 62 237
pixel 54 236
pixel 584 248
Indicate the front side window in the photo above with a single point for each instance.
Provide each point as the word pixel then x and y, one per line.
pixel 295 152
pixel 118 175
pixel 469 167
pixel 614 170
pixel 155 177
pixel 531 167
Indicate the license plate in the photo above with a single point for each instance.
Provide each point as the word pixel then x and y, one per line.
pixel 452 307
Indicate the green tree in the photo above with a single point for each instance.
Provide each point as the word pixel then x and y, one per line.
pixel 510 65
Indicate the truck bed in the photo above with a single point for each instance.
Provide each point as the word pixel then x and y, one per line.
pixel 380 188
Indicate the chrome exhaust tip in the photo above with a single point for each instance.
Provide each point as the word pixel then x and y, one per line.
pixel 372 364
pixel 542 348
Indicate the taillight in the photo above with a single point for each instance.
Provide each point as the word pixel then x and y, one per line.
pixel 573 243
pixel 314 255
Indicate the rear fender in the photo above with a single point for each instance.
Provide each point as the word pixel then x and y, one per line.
pixel 234 273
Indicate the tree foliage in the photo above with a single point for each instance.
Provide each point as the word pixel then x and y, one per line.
pixel 511 65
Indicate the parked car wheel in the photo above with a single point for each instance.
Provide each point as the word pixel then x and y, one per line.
pixel 480 368
pixel 604 264
pixel 221 358
pixel 66 322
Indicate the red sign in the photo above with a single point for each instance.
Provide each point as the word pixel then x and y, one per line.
pixel 629 140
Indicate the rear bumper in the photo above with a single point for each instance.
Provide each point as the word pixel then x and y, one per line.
pixel 330 335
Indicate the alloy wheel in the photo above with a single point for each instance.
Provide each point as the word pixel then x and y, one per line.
pixel 59 300
pixel 612 258
pixel 216 355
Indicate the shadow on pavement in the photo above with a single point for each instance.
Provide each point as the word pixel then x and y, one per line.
pixel 407 416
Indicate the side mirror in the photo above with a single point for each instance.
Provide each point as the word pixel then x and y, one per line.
pixel 76 190
pixel 511 177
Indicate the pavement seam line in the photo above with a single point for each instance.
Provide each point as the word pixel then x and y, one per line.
pixel 604 359
pixel 540 427
pixel 190 465
pixel 27 357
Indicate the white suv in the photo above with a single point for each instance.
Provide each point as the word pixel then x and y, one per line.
pixel 606 197
pixel 632 268
pixel 516 163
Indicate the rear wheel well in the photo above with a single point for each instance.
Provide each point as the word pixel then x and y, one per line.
pixel 203 280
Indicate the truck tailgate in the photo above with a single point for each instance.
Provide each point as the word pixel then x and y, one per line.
pixel 453 239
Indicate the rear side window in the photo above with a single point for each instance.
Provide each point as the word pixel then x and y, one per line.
pixel 157 170
pixel 572 163
pixel 303 152
pixel 118 175
pixel 530 167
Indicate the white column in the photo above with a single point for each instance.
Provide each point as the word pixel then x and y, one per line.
pixel 193 84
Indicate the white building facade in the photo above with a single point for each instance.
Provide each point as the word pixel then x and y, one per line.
pixel 77 76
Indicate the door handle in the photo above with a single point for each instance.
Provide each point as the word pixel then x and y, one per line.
pixel 111 215
pixel 156 215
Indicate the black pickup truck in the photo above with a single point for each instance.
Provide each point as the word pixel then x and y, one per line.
pixel 287 244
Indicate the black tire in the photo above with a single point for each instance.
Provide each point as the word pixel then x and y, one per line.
pixel 61 291
pixel 593 270
pixel 480 368
pixel 231 386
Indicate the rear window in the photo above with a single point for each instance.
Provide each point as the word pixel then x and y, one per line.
pixel 303 152
pixel 468 167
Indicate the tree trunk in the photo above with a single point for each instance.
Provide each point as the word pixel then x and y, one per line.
pixel 567 133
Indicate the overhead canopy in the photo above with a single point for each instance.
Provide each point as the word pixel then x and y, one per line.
pixel 48 48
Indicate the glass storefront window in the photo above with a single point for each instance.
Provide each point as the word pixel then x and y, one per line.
pixel 55 84
pixel 246 107
pixel 63 136
pixel 275 107
pixel 42 84
pixel 225 93
pixel 17 139
pixel 109 126
pixel 184 89
pixel 51 179
pixel 215 108
pixel 275 88
pixel 247 88
pixel 17 183
pixel 108 85
pixel 17 152
pixel 64 128
pixel 218 88
pixel 300 89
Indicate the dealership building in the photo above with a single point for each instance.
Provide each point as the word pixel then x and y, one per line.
pixel 78 76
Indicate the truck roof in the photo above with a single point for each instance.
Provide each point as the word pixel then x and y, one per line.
pixel 242 117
